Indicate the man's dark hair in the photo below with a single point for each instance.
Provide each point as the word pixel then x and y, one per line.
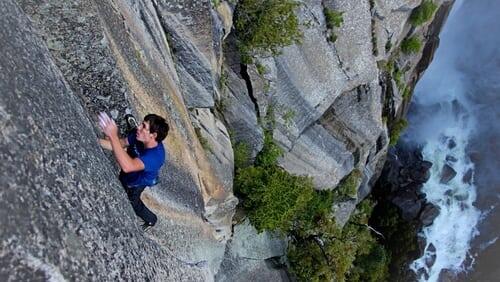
pixel 157 125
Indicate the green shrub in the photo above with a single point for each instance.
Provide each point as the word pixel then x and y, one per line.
pixel 398 78
pixel 273 197
pixel 270 152
pixel 411 45
pixel 333 18
pixel 371 267
pixel 406 93
pixel 396 131
pixel 332 37
pixel 261 69
pixel 265 26
pixel 348 187
pixel 241 152
pixel 331 255
pixel 423 13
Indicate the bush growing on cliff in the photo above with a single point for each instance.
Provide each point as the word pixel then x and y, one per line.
pixel 348 187
pixel 333 18
pixel 273 198
pixel 423 13
pixel 265 26
pixel 335 254
pixel 319 249
pixel 411 45
pixel 396 131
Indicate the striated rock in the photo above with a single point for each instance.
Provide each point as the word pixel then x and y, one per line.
pixel 188 26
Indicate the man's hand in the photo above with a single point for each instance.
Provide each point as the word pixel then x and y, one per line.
pixel 108 125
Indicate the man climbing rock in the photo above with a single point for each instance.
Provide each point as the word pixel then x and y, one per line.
pixel 141 162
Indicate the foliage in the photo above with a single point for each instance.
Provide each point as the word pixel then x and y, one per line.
pixel 348 187
pixel 398 78
pixel 265 26
pixel 406 93
pixel 371 267
pixel 333 18
pixel 273 197
pixel 319 249
pixel 241 152
pixel 261 69
pixel 400 236
pixel 330 256
pixel 423 13
pixel 396 130
pixel 270 152
pixel 332 37
pixel 411 45
pixel 288 117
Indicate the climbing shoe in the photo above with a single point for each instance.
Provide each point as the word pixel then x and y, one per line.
pixel 146 227
pixel 131 122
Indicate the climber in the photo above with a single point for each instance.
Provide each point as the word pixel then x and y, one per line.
pixel 141 162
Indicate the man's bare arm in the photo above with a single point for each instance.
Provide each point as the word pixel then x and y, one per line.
pixel 106 144
pixel 126 163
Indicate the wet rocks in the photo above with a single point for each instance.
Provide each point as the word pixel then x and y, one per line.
pixel 404 174
pixel 428 214
pixel 447 174
pixel 467 178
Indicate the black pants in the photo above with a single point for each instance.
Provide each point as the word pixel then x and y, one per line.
pixel 134 196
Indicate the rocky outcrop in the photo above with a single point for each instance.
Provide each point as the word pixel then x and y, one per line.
pixel 179 59
pixel 249 255
pixel 404 175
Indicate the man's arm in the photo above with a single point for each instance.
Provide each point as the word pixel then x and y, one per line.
pixel 126 163
pixel 106 144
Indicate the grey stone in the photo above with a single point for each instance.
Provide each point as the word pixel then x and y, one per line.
pixel 79 224
pixel 247 252
pixel 429 213
pixel 342 211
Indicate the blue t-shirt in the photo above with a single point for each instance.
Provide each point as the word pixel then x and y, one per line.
pixel 153 159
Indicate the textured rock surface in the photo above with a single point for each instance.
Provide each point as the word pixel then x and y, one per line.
pixel 248 256
pixel 61 216
pixel 167 57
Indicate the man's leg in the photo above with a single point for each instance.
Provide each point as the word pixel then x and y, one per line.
pixel 134 196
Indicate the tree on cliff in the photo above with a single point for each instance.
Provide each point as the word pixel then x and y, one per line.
pixel 265 26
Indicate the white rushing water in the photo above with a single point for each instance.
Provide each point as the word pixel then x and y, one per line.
pixel 445 131
pixel 448 238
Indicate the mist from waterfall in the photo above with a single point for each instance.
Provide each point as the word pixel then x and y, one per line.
pixel 454 116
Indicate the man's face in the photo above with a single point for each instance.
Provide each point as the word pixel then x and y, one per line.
pixel 143 134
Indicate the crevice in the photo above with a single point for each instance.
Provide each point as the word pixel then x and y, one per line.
pixel 341 64
pixel 244 74
pixel 373 31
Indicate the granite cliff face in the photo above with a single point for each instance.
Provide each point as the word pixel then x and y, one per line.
pixel 64 215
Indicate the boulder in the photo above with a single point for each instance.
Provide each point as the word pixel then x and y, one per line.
pixel 447 174
pixel 467 178
pixel 428 214
pixel 451 159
